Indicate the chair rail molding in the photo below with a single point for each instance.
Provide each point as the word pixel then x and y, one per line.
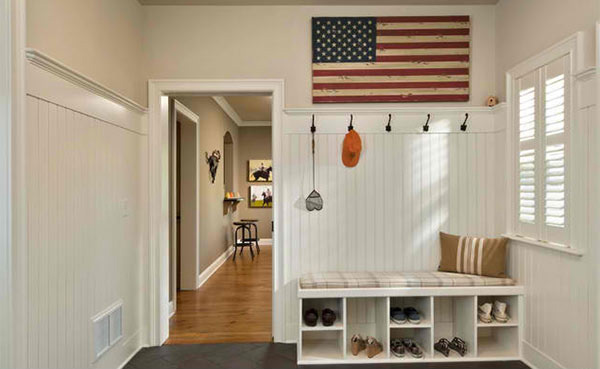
pixel 158 92
pixel 46 62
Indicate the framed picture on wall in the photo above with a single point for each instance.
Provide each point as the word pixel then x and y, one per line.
pixel 261 196
pixel 260 170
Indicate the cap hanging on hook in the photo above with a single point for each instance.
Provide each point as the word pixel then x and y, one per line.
pixel 389 125
pixel 351 127
pixel 463 127
pixel 426 126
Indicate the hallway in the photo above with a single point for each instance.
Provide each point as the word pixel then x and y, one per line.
pixel 234 305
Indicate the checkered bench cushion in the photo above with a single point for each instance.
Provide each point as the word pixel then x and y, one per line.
pixel 398 279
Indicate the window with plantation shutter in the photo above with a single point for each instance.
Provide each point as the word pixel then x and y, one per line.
pixel 527 155
pixel 542 98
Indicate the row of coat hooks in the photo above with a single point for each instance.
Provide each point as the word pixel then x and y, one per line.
pixel 388 127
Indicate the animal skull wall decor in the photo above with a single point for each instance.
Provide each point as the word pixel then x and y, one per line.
pixel 213 164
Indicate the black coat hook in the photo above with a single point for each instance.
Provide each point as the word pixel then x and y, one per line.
pixel 463 127
pixel 312 127
pixel 351 127
pixel 426 126
pixel 389 125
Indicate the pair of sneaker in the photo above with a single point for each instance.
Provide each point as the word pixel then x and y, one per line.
pixel 488 312
pixel 399 346
pixel 357 344
pixel 408 314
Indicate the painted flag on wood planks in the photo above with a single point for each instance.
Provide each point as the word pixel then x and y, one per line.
pixel 390 59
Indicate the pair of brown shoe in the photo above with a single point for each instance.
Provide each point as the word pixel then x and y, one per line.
pixel 357 344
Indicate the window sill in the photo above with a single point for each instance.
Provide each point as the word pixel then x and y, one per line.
pixel 547 245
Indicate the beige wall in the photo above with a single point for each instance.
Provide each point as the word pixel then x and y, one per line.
pixel 524 28
pixel 215 225
pixel 255 143
pixel 101 39
pixel 274 42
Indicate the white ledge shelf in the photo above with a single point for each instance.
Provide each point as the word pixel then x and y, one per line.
pixel 337 326
pixel 547 245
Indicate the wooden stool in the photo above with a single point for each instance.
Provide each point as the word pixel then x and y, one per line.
pixel 252 225
pixel 243 241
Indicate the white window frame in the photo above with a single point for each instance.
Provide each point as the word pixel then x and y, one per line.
pixel 572 49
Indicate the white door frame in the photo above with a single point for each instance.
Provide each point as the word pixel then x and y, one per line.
pixel 158 92
pixel 194 118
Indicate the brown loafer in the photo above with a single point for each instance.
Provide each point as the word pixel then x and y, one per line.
pixel 328 317
pixel 357 344
pixel 373 347
pixel 310 317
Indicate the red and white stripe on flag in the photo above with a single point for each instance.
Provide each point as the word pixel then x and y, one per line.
pixel 414 59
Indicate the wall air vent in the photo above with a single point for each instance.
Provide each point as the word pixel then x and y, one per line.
pixel 107 329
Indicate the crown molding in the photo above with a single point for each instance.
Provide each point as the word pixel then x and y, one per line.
pixel 255 123
pixel 52 65
pixel 228 109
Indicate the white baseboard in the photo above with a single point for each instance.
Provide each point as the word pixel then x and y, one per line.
pixel 537 359
pixel 265 242
pixel 212 268
pixel 138 346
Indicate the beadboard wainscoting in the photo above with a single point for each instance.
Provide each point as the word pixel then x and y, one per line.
pixel 560 308
pixel 385 214
pixel 86 186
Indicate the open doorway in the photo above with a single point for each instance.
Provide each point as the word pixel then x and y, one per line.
pixel 183 215
pixel 234 196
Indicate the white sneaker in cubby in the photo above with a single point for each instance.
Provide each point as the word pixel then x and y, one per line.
pixel 499 312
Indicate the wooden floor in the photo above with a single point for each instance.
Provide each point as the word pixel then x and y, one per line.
pixel 234 305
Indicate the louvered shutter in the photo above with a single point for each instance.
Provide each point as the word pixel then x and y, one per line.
pixel 542 114
pixel 555 146
pixel 527 182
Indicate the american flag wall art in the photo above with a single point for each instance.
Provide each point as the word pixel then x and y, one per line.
pixel 390 59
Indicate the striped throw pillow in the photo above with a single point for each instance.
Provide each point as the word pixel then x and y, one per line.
pixel 473 255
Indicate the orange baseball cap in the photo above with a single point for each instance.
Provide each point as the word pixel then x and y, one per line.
pixel 351 149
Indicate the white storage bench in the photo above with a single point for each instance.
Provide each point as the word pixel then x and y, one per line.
pixel 447 303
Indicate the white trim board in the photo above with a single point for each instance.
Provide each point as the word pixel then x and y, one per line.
pixel 55 82
pixel 19 214
pixel 5 185
pixel 54 66
pixel 180 108
pixel 158 92
pixel 212 268
pixel 537 358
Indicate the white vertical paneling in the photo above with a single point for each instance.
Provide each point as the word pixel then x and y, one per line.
pixel 385 213
pixel 84 241
pixel 556 283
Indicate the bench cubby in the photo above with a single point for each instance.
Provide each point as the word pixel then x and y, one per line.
pixel 455 316
pixel 335 304
pixel 367 317
pixel 445 312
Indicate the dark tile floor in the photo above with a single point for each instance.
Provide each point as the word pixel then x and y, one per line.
pixel 264 355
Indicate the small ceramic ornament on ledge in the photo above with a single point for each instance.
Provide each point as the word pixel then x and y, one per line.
pixel 492 101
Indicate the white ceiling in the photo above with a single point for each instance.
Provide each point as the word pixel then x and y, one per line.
pixel 251 108
pixel 317 2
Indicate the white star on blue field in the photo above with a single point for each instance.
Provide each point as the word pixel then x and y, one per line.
pixel 344 39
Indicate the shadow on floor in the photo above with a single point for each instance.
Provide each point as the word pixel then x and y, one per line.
pixel 266 355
